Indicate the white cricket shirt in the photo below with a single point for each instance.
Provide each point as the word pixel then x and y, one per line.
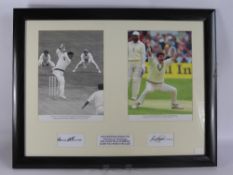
pixel 63 60
pixel 157 70
pixel 136 51
pixel 44 58
pixel 97 98
pixel 87 58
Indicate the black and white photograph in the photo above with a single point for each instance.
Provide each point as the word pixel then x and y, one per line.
pixel 70 73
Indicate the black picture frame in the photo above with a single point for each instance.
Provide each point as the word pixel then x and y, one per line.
pixel 207 16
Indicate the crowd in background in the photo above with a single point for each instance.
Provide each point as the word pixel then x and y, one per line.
pixel 168 42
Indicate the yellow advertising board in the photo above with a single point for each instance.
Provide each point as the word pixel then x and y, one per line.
pixel 175 70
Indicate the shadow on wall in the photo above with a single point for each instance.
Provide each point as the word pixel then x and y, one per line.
pixel 6 151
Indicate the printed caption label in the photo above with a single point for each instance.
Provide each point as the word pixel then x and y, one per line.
pixel 115 140
pixel 160 139
pixel 70 140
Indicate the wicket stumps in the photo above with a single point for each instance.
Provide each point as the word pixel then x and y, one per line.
pixel 53 86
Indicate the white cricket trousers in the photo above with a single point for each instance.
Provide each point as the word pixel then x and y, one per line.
pixel 135 72
pixel 150 87
pixel 61 81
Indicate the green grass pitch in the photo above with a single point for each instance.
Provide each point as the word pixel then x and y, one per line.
pixel 160 102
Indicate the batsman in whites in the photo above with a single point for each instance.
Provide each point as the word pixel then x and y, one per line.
pixel 64 60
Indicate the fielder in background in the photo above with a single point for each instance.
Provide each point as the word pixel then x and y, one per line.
pixel 136 63
pixel 97 98
pixel 45 59
pixel 64 59
pixel 156 82
pixel 86 59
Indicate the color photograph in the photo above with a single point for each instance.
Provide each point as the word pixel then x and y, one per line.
pixel 159 73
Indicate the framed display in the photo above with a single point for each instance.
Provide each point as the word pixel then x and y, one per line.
pixel 114 88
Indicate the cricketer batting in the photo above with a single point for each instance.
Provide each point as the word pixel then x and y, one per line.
pixel 64 59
